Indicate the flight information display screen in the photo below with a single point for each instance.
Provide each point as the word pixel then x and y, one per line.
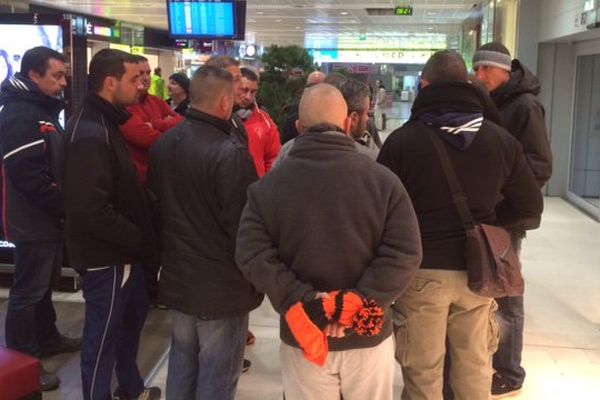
pixel 202 18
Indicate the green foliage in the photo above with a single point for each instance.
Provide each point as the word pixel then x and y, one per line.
pixel 286 68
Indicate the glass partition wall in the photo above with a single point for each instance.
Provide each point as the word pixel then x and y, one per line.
pixel 584 182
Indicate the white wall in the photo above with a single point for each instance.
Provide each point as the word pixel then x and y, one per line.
pixel 557 76
pixel 558 19
pixel 527 33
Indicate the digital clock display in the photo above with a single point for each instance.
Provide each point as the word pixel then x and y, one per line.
pixel 403 11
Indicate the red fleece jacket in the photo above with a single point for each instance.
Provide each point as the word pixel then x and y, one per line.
pixel 149 120
pixel 263 140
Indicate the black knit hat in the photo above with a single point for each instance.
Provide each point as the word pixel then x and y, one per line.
pixel 493 54
pixel 182 80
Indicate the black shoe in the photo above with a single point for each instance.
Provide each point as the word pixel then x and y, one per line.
pixel 246 365
pixel 149 393
pixel 48 381
pixel 502 388
pixel 61 344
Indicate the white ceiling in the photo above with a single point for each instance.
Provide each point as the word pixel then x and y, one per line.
pixel 296 21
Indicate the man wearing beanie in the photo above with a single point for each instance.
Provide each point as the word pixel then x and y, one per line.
pixel 179 90
pixel 450 118
pixel 514 89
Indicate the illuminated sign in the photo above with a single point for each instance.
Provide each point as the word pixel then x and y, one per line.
pixel 403 10
pixel 589 5
pixel 373 56
pixel 101 30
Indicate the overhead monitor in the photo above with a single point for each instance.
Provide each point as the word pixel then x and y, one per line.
pixel 207 19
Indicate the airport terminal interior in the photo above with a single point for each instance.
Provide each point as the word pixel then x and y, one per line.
pixel 387 41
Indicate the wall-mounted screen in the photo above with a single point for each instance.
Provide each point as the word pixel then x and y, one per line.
pixel 207 19
pixel 16 39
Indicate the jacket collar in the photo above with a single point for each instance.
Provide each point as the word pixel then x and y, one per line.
pixel 18 87
pixel 116 114
pixel 217 122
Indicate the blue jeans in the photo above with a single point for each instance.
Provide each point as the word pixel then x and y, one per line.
pixel 30 317
pixel 507 360
pixel 115 310
pixel 206 357
pixel 511 317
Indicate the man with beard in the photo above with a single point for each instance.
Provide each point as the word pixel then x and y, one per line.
pixel 109 230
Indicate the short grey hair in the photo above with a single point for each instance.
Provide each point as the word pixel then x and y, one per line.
pixel 355 92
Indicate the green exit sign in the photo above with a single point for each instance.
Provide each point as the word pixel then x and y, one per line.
pixel 403 10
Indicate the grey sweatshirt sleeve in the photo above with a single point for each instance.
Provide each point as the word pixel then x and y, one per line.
pixel 257 257
pixel 399 254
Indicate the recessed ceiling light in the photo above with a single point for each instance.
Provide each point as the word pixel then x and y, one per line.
pixel 430 28
pixel 431 21
pixel 344 13
pixel 297 27
pixel 277 20
pixel 431 13
pixel 260 12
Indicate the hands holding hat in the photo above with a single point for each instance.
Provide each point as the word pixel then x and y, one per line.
pixel 312 322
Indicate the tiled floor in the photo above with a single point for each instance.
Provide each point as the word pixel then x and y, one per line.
pixel 562 330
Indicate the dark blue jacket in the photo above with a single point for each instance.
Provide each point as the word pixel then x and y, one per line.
pixel 30 135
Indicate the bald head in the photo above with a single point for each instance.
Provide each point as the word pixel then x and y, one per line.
pixel 315 77
pixel 322 104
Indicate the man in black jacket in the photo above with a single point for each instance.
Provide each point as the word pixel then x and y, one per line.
pixel 109 229
pixel 491 167
pixel 514 89
pixel 33 206
pixel 199 172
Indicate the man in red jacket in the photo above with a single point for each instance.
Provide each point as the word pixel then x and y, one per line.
pixel 263 136
pixel 150 118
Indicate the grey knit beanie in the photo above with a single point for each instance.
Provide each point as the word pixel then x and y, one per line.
pixel 493 54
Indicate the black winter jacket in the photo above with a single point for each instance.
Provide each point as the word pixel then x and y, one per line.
pixel 108 219
pixel 32 201
pixel 523 117
pixel 200 172
pixel 492 169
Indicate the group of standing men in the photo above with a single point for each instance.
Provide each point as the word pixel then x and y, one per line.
pixel 326 227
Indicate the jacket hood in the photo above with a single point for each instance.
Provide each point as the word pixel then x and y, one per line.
pixel 20 88
pixel 521 81
pixel 454 110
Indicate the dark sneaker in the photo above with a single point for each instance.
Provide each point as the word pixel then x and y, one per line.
pixel 61 344
pixel 502 388
pixel 48 381
pixel 246 365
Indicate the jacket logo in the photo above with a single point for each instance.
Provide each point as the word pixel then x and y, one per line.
pixel 47 127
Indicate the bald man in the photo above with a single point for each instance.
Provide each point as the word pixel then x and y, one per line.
pixel 315 77
pixel 289 131
pixel 329 219
pixel 199 172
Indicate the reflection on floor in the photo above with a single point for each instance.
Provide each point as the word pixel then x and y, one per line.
pixel 70 312
pixel 562 333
